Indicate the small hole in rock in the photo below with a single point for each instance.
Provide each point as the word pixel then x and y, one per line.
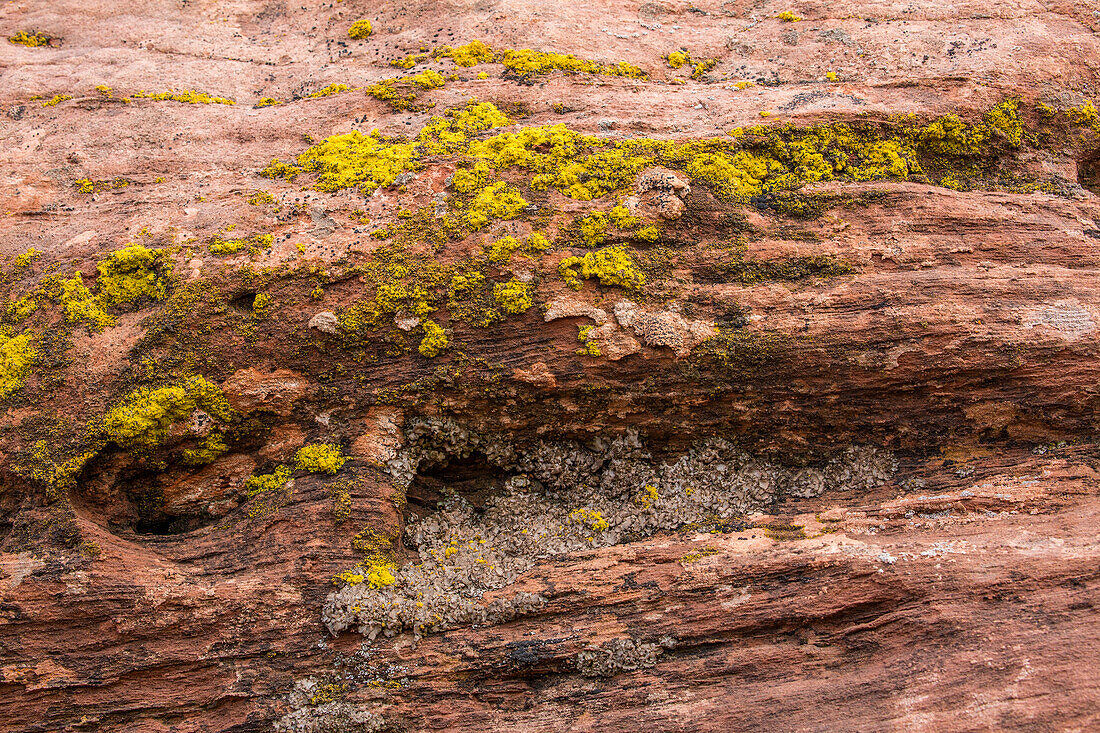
pixel 473 478
pixel 1088 174
pixel 243 302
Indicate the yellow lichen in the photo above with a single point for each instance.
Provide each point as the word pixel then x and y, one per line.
pixel 190 96
pixel 612 265
pixel 497 201
pixel 788 17
pixel 473 53
pixel 57 99
pixel 319 457
pixel 142 418
pixel 513 296
pixel 329 91
pixel 435 340
pixel 16 357
pixel 360 29
pixel 30 39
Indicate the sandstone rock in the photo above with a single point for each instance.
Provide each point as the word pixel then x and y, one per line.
pixel 325 322
pixel 249 389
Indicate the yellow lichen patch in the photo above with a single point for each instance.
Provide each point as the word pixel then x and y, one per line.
pixel 831 76
pixel 612 265
pixel 473 53
pixel 496 201
pixel 260 197
pixel 698 555
pixel 255 244
pixel 266 482
pixel 526 61
pixel 211 448
pixel 189 96
pixel 401 94
pixel 142 418
pixel 79 306
pixel 319 458
pixel 677 59
pixel 590 348
pixel 501 251
pixel 30 39
pixel 16 357
pixel 57 99
pixel 513 296
pixel 267 102
pixel 330 90
pixel 360 29
pixel 435 340
pixel 589 518
pixel 788 17
pixel 131 274
pixel 354 159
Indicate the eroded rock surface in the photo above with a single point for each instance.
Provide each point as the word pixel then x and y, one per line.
pixel 737 372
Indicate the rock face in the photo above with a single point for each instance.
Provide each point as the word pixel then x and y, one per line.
pixel 736 372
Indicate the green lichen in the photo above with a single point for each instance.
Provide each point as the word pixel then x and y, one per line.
pixel 402 93
pixel 471 54
pixel 355 159
pixel 501 251
pixel 590 348
pixel 211 448
pixel 319 458
pixel 254 244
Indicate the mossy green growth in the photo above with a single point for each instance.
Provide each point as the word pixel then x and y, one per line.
pixel 190 96
pixel 612 265
pixel 513 296
pixel 360 29
pixel 319 458
pixel 131 274
pixel 267 482
pixel 496 201
pixel 142 419
pixel 435 340
pixel 17 355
